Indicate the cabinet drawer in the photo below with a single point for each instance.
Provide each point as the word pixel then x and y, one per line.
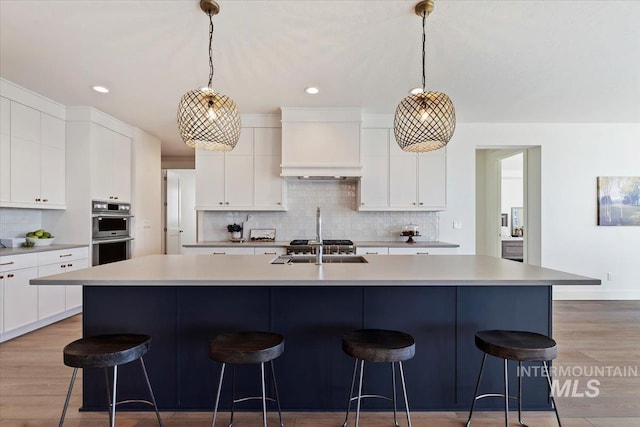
pixel 63 255
pixel 372 251
pixel 278 250
pixel 223 250
pixel 409 251
pixel 16 262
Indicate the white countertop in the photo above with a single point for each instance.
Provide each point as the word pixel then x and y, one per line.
pixel 257 270
pixel 35 249
pixel 362 244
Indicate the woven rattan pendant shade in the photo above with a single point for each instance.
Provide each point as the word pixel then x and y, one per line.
pixel 424 122
pixel 208 120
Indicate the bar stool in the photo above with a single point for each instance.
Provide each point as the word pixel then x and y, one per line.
pixel 105 351
pixel 241 348
pixel 521 346
pixel 378 345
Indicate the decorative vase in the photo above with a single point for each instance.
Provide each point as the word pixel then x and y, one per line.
pixel 236 235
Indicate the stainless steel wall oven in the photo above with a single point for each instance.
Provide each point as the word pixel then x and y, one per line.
pixel 111 232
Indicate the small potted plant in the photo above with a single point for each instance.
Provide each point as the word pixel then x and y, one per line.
pixel 235 230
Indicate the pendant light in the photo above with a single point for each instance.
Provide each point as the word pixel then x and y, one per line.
pixel 209 120
pixel 424 121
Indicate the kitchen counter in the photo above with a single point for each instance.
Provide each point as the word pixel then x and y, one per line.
pixel 34 249
pixel 183 301
pixel 257 270
pixel 361 244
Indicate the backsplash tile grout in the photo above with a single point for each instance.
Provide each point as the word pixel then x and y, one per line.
pixel 340 219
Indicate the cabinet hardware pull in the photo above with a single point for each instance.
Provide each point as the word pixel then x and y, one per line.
pixel 7 263
pixel 372 253
pixel 111 197
pixel 62 266
pixel 422 253
pixel 414 203
pixel 116 197
pixel 1 277
pixel 226 203
pixel 219 253
pixel 9 275
pixel 220 203
pixel 69 265
pixel 45 200
pixel 279 203
pixel 37 200
pixel 65 255
pixel 269 253
pixel 421 203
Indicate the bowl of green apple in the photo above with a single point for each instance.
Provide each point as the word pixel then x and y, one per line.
pixel 40 237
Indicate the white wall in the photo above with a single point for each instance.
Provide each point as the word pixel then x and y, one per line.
pixel 512 189
pixel 573 155
pixel 146 186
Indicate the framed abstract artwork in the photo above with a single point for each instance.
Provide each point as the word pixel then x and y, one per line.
pixel 619 200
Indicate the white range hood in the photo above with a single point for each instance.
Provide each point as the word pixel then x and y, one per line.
pixel 321 143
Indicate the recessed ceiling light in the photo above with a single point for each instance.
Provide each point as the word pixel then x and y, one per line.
pixel 415 90
pixel 312 90
pixel 101 89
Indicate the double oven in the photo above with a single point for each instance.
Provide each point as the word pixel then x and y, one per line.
pixel 111 232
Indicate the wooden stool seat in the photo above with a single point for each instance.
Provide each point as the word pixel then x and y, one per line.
pixel 106 350
pixel 522 346
pixel 379 345
pixel 246 347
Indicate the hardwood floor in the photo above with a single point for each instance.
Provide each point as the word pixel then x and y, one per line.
pixel 590 334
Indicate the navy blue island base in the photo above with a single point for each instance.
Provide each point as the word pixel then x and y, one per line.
pixel 313 373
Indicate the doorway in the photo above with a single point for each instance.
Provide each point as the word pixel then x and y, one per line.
pixel 180 214
pixel 508 203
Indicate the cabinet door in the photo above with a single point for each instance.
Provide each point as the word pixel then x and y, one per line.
pixel 74 292
pixel 403 181
pixel 51 298
pixel 20 298
pixel 268 182
pixel 25 154
pixel 432 175
pixel 5 150
pixel 209 180
pixel 101 163
pixel 121 171
pixel 52 160
pixel 238 167
pixel 374 184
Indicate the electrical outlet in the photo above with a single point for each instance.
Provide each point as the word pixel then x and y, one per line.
pixel 610 276
pixel 457 225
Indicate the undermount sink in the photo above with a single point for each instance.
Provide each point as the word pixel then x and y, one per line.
pixel 326 259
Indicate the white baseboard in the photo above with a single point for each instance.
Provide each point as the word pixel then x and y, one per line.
pixel 6 336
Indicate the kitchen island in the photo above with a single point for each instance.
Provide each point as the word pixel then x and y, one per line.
pixel 182 301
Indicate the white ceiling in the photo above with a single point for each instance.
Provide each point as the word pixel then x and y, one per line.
pixel 499 61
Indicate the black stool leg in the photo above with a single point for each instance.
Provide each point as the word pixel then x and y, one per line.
pixel 153 398
pixel 107 385
pixel 275 387
pixel 404 391
pixel 353 383
pixel 506 393
pixel 215 408
pixel 553 401
pixel 520 395
pixel 475 395
pixel 393 380
pixel 359 393
pixel 66 401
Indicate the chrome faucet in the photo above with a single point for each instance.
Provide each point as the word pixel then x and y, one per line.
pixel 318 237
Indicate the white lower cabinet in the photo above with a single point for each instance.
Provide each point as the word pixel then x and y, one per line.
pixel 372 251
pixel 24 307
pixel 20 299
pixel 219 251
pixel 423 251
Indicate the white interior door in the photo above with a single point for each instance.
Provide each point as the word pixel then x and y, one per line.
pixel 173 240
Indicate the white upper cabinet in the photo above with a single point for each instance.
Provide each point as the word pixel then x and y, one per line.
pixel 110 165
pixel 247 178
pixel 33 142
pixel 394 180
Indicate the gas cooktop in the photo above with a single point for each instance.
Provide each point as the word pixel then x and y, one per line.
pixel 340 242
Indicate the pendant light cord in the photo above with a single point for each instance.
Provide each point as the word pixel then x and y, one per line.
pixel 424 43
pixel 211 49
